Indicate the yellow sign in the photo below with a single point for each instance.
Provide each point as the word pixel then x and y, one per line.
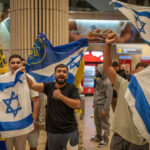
pixel 120 50
pixel 3 63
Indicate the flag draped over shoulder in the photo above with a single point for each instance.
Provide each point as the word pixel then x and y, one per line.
pixel 138 98
pixel 3 65
pixel 15 105
pixel 44 58
pixel 139 16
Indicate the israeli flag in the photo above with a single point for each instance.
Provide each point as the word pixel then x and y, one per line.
pixel 139 16
pixel 15 105
pixel 138 98
pixel 44 58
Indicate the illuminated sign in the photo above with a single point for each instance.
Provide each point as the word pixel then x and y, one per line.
pixel 129 49
pixel 145 57
pixel 125 57
pixel 93 56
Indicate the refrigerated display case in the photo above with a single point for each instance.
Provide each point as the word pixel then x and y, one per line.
pixel 88 80
pixel 92 59
pixel 127 61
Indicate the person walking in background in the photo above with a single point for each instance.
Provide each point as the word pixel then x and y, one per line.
pixel 123 72
pixel 115 65
pixel 102 101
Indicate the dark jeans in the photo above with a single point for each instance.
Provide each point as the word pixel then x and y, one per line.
pixel 118 143
pixel 65 141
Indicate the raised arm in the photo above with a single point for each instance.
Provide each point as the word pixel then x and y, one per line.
pixel 111 73
pixel 39 87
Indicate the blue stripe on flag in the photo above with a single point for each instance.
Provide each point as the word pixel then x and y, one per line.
pixel 146 41
pixel 70 78
pixel 4 86
pixel 118 5
pixel 141 103
pixel 16 125
pixel 40 78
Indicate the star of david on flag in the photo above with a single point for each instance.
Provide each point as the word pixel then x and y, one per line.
pixel 8 103
pixel 139 24
pixel 15 105
pixel 139 16
pixel 44 57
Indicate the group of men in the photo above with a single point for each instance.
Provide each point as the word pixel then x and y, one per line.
pixel 63 98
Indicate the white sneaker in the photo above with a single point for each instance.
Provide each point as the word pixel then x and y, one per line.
pixel 102 143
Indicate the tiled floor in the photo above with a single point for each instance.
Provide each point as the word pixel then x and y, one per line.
pixel 88 125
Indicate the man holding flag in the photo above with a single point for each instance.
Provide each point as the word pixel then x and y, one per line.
pixel 63 98
pixel 126 136
pixel 16 118
pixel 3 69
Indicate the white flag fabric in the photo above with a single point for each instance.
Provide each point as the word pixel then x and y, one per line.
pixel 139 16
pixel 15 105
pixel 138 98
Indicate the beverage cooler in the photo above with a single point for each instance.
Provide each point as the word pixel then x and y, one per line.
pixel 127 61
pixel 92 59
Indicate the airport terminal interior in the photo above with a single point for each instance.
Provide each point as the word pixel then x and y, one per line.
pixel 63 22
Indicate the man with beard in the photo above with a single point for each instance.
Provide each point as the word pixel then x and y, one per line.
pixel 63 98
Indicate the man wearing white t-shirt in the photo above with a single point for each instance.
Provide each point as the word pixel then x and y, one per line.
pixel 15 62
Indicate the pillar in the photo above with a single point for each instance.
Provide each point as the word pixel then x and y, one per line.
pixel 30 17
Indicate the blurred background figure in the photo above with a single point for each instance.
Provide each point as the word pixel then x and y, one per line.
pixel 123 72
pixel 101 104
pixel 115 65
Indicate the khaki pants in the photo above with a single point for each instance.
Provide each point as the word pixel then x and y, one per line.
pixel 19 142
pixel 102 123
pixel 118 143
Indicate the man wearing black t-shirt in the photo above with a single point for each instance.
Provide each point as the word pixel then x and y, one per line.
pixel 63 98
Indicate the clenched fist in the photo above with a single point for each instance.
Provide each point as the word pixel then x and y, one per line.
pixel 57 94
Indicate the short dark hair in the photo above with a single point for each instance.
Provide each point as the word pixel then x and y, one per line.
pixel 115 64
pixel 141 64
pixel 23 59
pixel 15 56
pixel 61 66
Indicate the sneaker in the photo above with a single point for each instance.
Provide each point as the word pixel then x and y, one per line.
pixel 95 139
pixel 102 143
